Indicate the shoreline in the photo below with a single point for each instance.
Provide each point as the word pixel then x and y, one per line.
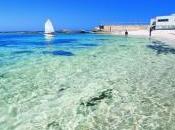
pixel 167 36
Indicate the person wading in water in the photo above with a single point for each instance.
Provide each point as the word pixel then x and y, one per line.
pixel 126 33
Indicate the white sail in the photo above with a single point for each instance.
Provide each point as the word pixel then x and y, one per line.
pixel 49 29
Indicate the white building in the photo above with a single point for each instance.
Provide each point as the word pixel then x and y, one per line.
pixel 163 22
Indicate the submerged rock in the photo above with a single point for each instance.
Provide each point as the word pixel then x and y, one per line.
pixel 60 92
pixel 60 53
pixel 161 48
pixel 22 52
pixel 2 75
pixel 61 89
pixel 89 45
pixel 53 125
pixel 95 100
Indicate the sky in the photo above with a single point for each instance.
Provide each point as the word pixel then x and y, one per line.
pixel 30 15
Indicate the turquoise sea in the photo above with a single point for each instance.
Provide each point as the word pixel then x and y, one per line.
pixel 86 82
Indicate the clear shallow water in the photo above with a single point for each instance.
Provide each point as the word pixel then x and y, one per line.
pixel 86 82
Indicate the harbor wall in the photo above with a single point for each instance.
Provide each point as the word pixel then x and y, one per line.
pixel 115 28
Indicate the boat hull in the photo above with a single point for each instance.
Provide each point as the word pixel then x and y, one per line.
pixel 49 34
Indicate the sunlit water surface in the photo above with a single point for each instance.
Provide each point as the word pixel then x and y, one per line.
pixel 86 82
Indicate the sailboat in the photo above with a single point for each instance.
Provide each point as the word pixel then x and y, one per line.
pixel 49 29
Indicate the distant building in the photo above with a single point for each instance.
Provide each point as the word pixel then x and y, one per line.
pixel 119 28
pixel 101 27
pixel 163 22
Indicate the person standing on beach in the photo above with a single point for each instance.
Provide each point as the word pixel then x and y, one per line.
pixel 150 31
pixel 153 27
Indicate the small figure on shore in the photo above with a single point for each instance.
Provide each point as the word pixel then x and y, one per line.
pixel 150 31
pixel 126 33
pixel 152 28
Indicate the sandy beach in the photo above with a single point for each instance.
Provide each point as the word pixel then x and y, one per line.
pixel 163 35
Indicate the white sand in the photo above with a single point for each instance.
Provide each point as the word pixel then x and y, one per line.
pixel 164 35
